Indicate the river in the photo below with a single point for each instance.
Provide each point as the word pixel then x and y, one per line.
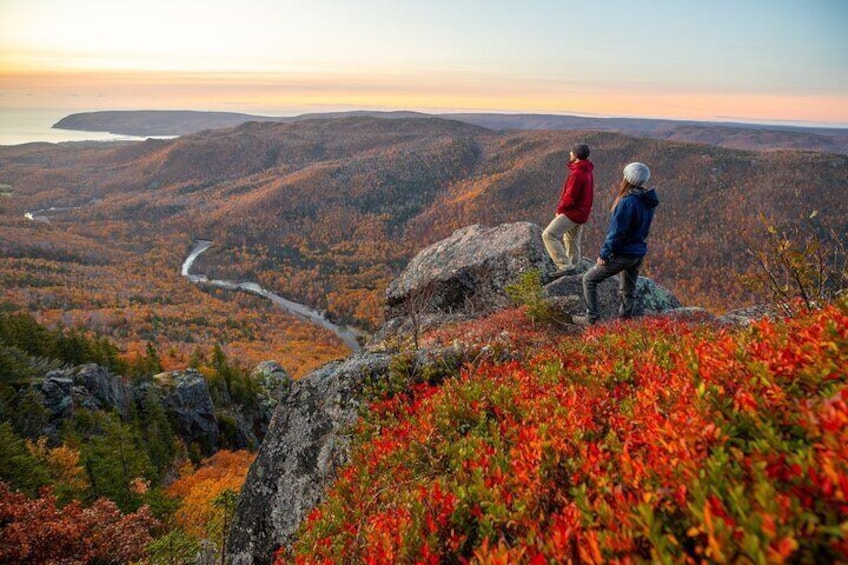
pixel 347 334
pixel 38 215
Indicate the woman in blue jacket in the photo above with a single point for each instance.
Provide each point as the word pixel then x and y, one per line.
pixel 624 248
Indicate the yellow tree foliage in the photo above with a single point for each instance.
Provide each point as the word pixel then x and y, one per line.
pixel 198 489
pixel 63 463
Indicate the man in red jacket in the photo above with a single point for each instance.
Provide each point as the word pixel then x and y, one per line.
pixel 563 234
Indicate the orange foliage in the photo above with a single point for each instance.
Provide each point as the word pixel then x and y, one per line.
pixel 63 464
pixel 226 470
pixel 326 213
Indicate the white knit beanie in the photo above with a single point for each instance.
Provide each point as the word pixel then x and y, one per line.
pixel 637 173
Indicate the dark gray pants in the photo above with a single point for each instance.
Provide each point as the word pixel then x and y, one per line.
pixel 629 269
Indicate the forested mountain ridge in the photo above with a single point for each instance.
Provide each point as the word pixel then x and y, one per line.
pixel 328 211
pixel 737 135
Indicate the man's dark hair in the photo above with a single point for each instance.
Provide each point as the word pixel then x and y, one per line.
pixel 580 150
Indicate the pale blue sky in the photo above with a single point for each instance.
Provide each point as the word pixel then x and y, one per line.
pixel 758 59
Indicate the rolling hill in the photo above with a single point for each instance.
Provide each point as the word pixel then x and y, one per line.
pixel 756 137
pixel 327 211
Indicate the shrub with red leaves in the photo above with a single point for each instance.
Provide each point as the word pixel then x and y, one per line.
pixel 37 531
pixel 652 441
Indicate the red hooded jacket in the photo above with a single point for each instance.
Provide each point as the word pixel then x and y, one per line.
pixel 577 192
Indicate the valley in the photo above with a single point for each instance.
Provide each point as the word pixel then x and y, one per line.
pixel 327 211
pixel 350 336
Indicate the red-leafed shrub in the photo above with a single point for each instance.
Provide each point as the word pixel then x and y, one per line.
pixel 654 441
pixel 37 531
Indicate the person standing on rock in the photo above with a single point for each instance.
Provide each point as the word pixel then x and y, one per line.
pixel 624 248
pixel 562 236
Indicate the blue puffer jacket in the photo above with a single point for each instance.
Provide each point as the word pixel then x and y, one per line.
pixel 630 224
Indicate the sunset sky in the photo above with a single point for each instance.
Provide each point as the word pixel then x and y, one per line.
pixel 771 60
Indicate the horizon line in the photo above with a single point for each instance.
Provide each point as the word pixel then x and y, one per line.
pixel 296 113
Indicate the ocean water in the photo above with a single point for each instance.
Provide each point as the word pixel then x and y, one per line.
pixel 29 125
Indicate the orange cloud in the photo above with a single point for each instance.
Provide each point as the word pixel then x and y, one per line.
pixel 304 91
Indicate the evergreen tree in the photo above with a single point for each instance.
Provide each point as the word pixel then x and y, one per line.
pixel 155 430
pixel 73 346
pixel 174 548
pixel 18 467
pixel 26 413
pixel 114 456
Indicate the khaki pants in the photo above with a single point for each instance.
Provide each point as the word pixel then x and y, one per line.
pixel 562 240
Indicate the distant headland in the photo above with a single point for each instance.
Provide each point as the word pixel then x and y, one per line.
pixel 755 137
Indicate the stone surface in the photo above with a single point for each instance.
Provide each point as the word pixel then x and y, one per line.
pixel 564 307
pixel 467 272
pixel 460 277
pixel 691 314
pixel 88 387
pixel 746 316
pixel 304 446
pixel 186 398
pixel 651 298
pixel 307 441
pixel 273 381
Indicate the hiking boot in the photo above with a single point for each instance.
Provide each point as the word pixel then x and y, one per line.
pixel 562 272
pixel 583 321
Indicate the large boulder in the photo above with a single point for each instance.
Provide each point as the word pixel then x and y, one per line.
pixel 467 272
pixel 651 298
pixel 462 276
pixel 86 387
pixel 303 447
pixel 307 441
pixel 186 399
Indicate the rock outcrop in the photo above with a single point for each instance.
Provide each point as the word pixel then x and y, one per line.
pixel 467 272
pixel 463 276
pixel 187 401
pixel 184 395
pixel 651 298
pixel 308 439
pixel 88 387
pixel 466 275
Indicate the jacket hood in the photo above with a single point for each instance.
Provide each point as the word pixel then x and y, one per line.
pixel 647 196
pixel 584 165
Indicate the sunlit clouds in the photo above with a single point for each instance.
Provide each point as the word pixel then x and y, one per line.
pixel 764 60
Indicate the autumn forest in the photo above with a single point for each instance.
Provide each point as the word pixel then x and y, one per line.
pixel 325 212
